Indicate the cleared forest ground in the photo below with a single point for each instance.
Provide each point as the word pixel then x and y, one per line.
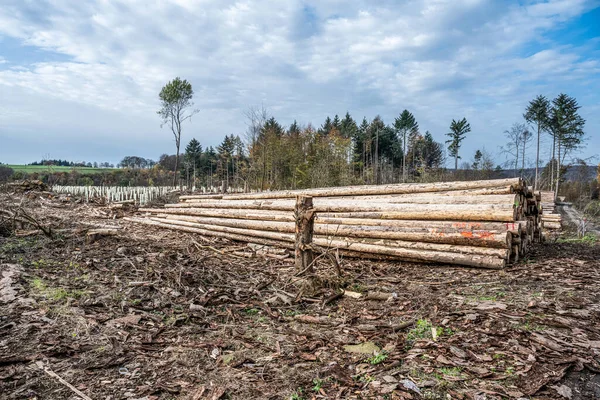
pixel 158 314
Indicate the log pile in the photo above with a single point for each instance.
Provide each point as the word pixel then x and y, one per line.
pixel 551 218
pixel 484 224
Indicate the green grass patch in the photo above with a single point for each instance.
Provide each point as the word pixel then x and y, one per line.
pixel 422 330
pixel 589 239
pixel 377 359
pixel 56 294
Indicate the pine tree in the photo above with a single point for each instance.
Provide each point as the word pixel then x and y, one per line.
pixel 566 126
pixel 538 112
pixel 193 156
pixel 336 123
pixel 477 160
pixel 326 127
pixel 458 130
pixel 294 129
pixel 405 124
pixel 348 128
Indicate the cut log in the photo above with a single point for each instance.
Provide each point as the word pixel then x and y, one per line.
pixel 325 241
pixel 428 198
pixel 481 261
pixel 259 215
pixel 94 234
pixel 515 183
pixel 473 212
pixel 494 252
pixel 447 235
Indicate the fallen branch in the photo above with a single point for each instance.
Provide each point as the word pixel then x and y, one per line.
pixel 53 374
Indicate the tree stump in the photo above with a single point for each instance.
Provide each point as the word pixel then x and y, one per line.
pixel 305 220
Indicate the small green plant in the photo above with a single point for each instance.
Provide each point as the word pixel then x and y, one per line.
pixel 39 287
pixel 377 358
pixel 251 311
pixel 422 330
pixel 454 371
pixel 510 370
pixel 318 384
pixel 589 239
pixel 297 395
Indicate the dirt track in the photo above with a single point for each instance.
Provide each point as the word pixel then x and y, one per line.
pixel 114 319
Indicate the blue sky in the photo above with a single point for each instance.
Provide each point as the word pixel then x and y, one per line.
pixel 80 80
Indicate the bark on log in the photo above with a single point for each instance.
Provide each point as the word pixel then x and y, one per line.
pixel 462 249
pixel 515 183
pixel 367 250
pixel 325 242
pixel 422 233
pixel 428 198
pixel 551 225
pixel 259 215
pixel 474 212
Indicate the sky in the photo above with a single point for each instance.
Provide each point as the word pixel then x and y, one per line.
pixel 79 80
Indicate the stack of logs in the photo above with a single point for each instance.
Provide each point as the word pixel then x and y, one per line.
pixel 551 218
pixel 484 224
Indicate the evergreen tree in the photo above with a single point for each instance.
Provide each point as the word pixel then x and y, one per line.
pixel 294 129
pixel 326 127
pixel 336 123
pixel 405 124
pixel 458 130
pixel 566 126
pixel 538 112
pixel 477 160
pixel 348 128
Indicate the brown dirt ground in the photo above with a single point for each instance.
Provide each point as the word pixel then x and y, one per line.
pixel 114 319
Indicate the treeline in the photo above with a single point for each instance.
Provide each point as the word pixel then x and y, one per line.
pixel 66 163
pixel 339 152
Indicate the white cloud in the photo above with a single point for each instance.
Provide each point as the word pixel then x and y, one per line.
pixel 442 59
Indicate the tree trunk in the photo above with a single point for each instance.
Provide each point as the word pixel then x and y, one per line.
pixel 558 162
pixel 404 157
pixel 176 167
pixel 377 157
pixel 552 163
pixel 523 157
pixel 537 159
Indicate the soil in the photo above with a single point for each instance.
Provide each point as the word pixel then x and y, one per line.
pixel 155 314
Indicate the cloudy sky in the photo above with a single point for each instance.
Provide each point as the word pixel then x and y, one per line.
pixel 80 79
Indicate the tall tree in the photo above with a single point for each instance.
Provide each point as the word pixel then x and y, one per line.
pixel 477 160
pixel 567 127
pixel 326 127
pixel 405 124
pixel 176 101
pixel 458 130
pixel 538 112
pixel 193 156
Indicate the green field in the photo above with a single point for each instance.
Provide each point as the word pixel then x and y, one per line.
pixel 52 168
